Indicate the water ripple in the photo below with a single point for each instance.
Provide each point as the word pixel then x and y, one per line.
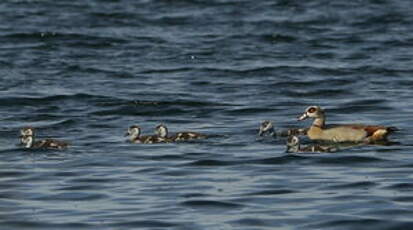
pixel 84 71
pixel 211 204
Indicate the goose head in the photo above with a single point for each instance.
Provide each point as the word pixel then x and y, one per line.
pixel 266 126
pixel 312 112
pixel 27 131
pixel 161 131
pixel 133 132
pixel 293 144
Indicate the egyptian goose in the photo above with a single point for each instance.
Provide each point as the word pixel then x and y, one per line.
pixel 134 133
pixel 293 146
pixel 162 132
pixel 267 127
pixel 342 133
pixel 27 138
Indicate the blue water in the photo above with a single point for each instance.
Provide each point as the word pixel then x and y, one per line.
pixel 84 71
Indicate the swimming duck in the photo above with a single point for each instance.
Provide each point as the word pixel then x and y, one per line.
pixel 134 133
pixel 162 132
pixel 342 133
pixel 267 127
pixel 27 138
pixel 293 146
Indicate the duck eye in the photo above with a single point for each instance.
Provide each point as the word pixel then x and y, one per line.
pixel 311 110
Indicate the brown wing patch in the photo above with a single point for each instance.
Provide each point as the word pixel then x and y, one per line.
pixel 183 136
pixel 151 139
pixel 372 129
pixel 41 144
pixel 51 144
pixel 147 139
pixel 375 133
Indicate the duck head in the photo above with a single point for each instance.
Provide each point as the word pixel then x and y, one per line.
pixel 293 144
pixel 161 131
pixel 266 126
pixel 133 132
pixel 27 131
pixel 312 112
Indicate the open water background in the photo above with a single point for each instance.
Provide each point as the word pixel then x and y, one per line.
pixel 84 71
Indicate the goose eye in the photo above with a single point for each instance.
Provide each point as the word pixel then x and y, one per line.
pixel 311 110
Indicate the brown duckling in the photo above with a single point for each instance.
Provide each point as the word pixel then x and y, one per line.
pixel 162 132
pixel 293 146
pixel 268 127
pixel 28 140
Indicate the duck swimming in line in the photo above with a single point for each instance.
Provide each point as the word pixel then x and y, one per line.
pixel 162 132
pixel 342 133
pixel 293 146
pixel 267 127
pixel 27 138
pixel 134 133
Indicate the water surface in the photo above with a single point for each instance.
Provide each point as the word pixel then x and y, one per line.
pixel 84 71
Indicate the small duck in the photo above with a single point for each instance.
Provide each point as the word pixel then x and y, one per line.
pixel 134 133
pixel 162 132
pixel 267 127
pixel 343 133
pixel 293 146
pixel 27 138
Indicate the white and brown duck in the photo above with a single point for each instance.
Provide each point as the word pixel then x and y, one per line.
pixel 27 138
pixel 267 127
pixel 342 132
pixel 294 146
pixel 162 132
pixel 134 133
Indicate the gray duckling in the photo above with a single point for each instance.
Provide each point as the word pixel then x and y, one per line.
pixel 134 134
pixel 27 138
pixel 267 127
pixel 162 131
pixel 293 146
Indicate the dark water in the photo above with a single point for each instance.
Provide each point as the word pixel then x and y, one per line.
pixel 83 71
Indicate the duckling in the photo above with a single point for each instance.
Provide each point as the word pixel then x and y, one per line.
pixel 134 133
pixel 343 133
pixel 293 146
pixel 162 132
pixel 28 140
pixel 267 127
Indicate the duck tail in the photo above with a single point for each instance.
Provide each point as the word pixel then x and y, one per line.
pixel 392 129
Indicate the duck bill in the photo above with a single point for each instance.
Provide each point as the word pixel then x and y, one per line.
pixel 302 117
pixel 126 134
